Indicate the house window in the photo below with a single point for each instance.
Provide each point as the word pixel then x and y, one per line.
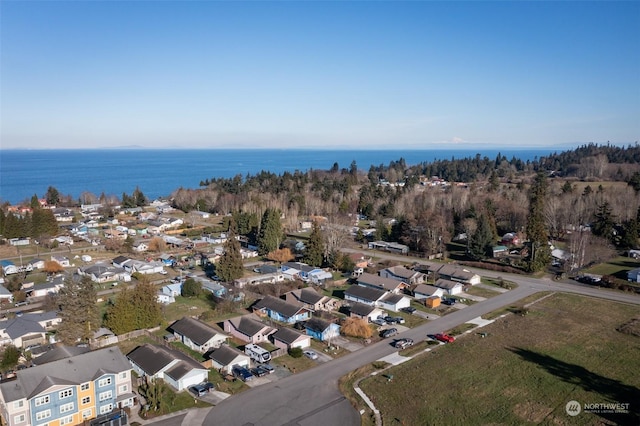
pixel 123 389
pixel 123 375
pixel 65 393
pixel 86 400
pixel 106 408
pixel 85 386
pixel 86 414
pixel 65 408
pixel 19 419
pixel 66 420
pixel 43 415
pixel 18 404
pixel 104 396
pixel 42 400
pixel 104 382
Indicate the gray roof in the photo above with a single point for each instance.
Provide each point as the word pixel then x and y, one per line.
pixel 425 289
pixel 361 309
pixel 447 284
pixel 280 306
pixel 58 353
pixel 224 355
pixel 401 271
pixel 366 293
pixel 4 291
pixel 317 324
pixel 388 284
pixel 69 371
pixel 392 298
pixel 26 324
pixel 287 335
pixel 309 295
pixel 199 332
pixel 153 358
pixel 247 325
pixel 300 266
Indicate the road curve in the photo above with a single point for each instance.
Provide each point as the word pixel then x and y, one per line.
pixel 312 397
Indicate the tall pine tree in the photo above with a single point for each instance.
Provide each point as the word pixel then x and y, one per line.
pixel 270 235
pixel 230 265
pixel 537 232
pixel 78 310
pixel 314 250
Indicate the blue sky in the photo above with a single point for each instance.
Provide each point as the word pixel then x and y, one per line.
pixel 318 74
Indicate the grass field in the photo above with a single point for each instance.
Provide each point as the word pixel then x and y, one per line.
pixel 524 372
pixel 618 267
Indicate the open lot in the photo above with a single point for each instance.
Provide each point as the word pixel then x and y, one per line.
pixel 525 371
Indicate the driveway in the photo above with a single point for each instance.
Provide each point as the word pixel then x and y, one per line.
pixel 491 287
pixel 426 315
pixel 474 298
pixel 215 397
pixel 346 344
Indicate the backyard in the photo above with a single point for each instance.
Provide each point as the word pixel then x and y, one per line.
pixel 525 370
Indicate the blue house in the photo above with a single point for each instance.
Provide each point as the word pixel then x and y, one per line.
pixel 305 271
pixel 281 310
pixel 217 289
pixel 322 330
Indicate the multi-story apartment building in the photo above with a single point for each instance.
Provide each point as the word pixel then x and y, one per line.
pixel 68 391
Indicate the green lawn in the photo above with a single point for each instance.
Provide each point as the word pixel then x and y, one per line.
pixel 482 292
pixel 617 267
pixel 524 372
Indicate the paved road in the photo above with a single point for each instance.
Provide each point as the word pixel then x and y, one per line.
pixel 312 398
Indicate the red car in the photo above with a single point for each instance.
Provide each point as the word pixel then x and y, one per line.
pixel 444 337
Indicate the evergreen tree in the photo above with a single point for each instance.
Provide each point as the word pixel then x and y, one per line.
pixel 270 235
pixel 604 222
pixel 230 265
pixel 52 196
pixel 120 314
pixel 536 228
pixel 191 288
pixel 148 312
pixel 481 241
pixel 139 198
pixel 314 249
pixel 78 310
pixel 10 358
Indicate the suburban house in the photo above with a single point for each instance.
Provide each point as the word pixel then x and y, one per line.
pixel 68 391
pixel 634 275
pixel 142 267
pixel 380 283
pixel 499 251
pixel 248 328
pixel 225 357
pixel 311 299
pixel 368 312
pixel 28 329
pixel 41 290
pixel 36 264
pixel 271 278
pixel 216 289
pixel 403 274
pixel 457 273
pixel 5 295
pixel 102 272
pixel 177 369
pixel 120 261
pixel 174 289
pixel 62 261
pixel 287 338
pixel 56 353
pixel 321 330
pixel 424 291
pixel 306 273
pixel 8 267
pixel 140 247
pixel 281 310
pixel 450 287
pixel 360 260
pixel 197 335
pixel 389 246
pixel 376 297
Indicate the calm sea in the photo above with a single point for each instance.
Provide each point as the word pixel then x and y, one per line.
pixel 157 173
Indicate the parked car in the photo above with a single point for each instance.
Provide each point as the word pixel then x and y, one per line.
pixel 267 367
pixel 399 320
pixel 310 354
pixel 198 390
pixel 208 386
pixel 443 337
pixel 22 303
pixel 379 322
pixel 403 343
pixel 390 332
pixel 449 301
pixel 242 373
pixel 258 372
pixel 408 309
pixel 390 320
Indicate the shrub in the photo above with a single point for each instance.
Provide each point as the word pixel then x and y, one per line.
pixel 356 327
pixel 295 352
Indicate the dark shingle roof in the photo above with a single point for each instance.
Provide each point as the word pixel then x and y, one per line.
pixel 153 358
pixel 247 325
pixel 61 352
pixel 378 281
pixel 287 335
pixel 224 355
pixel 447 284
pixel 317 324
pixel 366 293
pixel 310 295
pixel 392 298
pixel 199 332
pixel 361 309
pixel 280 306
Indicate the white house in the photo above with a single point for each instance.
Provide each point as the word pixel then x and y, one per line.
pixel 225 358
pixel 450 287
pixel 424 291
pixel 197 335
pixel 175 368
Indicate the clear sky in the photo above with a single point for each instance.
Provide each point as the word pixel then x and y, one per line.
pixel 318 74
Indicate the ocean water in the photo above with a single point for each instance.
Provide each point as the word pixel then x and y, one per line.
pixel 157 173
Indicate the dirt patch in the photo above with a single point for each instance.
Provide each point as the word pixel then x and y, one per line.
pixel 8 251
pixel 630 327
pixel 531 411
